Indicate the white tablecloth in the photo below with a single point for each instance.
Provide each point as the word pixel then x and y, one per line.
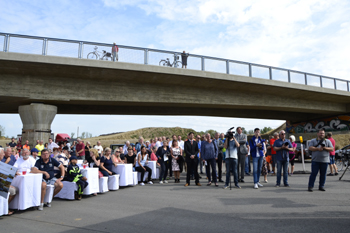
pixel 4 206
pixel 92 178
pixel 29 192
pixel 125 172
pixel 153 166
pixel 67 192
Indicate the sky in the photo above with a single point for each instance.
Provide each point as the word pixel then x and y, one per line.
pixel 308 35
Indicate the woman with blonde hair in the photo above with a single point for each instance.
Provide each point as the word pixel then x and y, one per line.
pixel 116 157
pixel 15 152
pixel 292 154
pixel 94 159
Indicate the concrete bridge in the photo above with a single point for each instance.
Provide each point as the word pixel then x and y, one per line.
pixel 78 86
pixel 82 86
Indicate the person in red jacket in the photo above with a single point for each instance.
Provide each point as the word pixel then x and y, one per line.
pixel 115 51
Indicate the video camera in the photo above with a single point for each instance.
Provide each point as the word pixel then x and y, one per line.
pixel 229 134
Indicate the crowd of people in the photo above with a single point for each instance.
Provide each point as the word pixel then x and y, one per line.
pixel 198 153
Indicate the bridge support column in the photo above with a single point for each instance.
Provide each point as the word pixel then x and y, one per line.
pixel 36 119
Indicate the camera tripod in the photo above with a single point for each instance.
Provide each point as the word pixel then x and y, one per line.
pixel 347 166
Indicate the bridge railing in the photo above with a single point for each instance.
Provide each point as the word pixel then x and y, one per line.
pixel 80 49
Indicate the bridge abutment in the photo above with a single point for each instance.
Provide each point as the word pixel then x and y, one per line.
pixel 36 119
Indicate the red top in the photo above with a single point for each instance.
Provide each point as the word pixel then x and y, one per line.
pixel 153 157
pixel 333 143
pixel 272 141
pixel 115 48
pixel 78 147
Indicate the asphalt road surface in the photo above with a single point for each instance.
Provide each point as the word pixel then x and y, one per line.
pixel 175 208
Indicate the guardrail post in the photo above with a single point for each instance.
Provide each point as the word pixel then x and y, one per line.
pixel 335 84
pixel 348 85
pixel 202 63
pixel 250 70
pixel 80 51
pixel 321 81
pixel 146 57
pixel 175 60
pixel 305 79
pixel 227 67
pixel 270 73
pixel 45 47
pixel 6 43
pixel 288 72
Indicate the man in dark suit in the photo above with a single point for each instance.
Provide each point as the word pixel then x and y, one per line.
pixel 191 151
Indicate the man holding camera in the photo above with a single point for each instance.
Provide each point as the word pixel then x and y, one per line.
pixel 231 145
pixel 242 151
pixel 282 146
pixel 320 148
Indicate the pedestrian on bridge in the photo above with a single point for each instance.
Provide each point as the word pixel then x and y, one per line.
pixel 115 51
pixel 184 57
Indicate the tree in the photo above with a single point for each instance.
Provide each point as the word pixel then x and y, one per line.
pixel 265 130
pixel 72 135
pixel 2 130
pixel 244 130
pixel 211 132
pixel 250 131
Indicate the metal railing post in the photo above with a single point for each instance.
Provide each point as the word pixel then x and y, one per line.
pixel 321 85
pixel 175 60
pixel 6 43
pixel 348 85
pixel 146 57
pixel 203 63
pixel 335 84
pixel 45 47
pixel 227 67
pixel 270 73
pixel 80 51
pixel 288 75
pixel 250 70
pixel 305 78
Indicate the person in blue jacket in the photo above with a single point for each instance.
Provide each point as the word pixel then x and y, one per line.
pixel 257 151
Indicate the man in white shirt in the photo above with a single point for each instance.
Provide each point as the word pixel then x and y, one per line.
pixel 171 142
pixel 181 143
pixel 25 163
pixel 99 148
pixel 125 147
pixel 159 142
pixel 51 145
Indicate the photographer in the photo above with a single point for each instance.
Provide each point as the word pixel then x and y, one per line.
pixel 258 150
pixel 320 148
pixel 242 152
pixel 282 146
pixel 231 145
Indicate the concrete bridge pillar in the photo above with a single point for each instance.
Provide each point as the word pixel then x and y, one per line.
pixel 36 119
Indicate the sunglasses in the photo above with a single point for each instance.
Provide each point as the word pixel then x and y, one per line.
pixel 117 151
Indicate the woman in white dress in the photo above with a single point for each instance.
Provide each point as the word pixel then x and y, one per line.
pixel 176 154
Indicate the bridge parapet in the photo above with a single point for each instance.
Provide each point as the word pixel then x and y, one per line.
pixel 81 49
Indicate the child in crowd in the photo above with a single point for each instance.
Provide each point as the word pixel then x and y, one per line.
pixel 74 175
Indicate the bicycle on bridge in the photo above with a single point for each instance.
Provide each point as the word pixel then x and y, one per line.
pixel 176 63
pixel 97 55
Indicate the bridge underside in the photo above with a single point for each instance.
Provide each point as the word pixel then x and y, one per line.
pixel 78 86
